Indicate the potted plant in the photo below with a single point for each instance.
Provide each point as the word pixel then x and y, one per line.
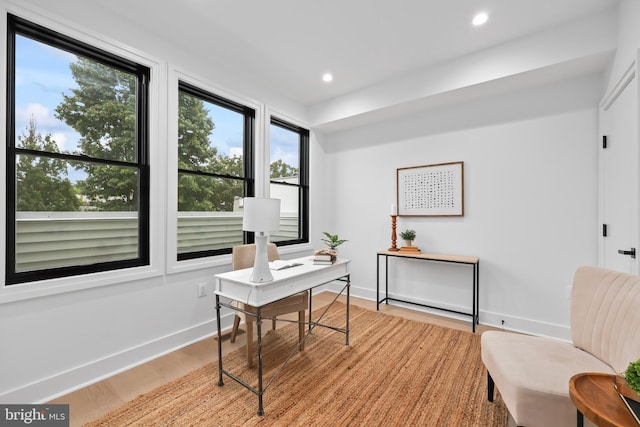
pixel 632 375
pixel 332 240
pixel 408 236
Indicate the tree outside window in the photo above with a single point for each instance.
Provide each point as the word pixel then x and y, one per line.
pixel 213 174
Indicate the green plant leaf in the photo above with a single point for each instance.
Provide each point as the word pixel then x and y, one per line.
pixel 332 240
pixel 632 375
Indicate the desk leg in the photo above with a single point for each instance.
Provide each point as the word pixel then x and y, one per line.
pixel 310 308
pixel 579 419
pixel 259 331
pixel 220 382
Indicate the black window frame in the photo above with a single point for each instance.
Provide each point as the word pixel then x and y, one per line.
pixel 25 28
pixel 247 159
pixel 303 185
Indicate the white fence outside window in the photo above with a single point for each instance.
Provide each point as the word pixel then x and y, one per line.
pixel 61 239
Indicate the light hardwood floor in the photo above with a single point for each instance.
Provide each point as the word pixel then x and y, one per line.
pixel 97 399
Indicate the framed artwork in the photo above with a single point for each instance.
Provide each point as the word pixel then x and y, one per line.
pixel 431 190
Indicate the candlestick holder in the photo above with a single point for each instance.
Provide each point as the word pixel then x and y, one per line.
pixel 393 247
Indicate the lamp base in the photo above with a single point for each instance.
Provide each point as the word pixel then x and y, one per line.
pixel 261 271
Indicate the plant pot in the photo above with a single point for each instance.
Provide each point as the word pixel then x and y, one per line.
pixel 408 242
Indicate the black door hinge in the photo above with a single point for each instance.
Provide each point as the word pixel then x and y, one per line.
pixel 604 230
pixel 604 141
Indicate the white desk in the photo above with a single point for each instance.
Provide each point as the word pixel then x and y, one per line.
pixel 235 285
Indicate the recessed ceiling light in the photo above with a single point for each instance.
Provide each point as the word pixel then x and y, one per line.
pixel 327 77
pixel 480 19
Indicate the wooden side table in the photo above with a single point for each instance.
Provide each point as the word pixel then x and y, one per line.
pixel 594 396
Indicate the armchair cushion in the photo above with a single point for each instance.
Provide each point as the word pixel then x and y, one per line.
pixel 520 366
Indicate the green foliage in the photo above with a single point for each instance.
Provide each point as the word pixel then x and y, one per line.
pixel 632 375
pixel 194 128
pixel 332 240
pixel 280 169
pixel 408 235
pixel 102 109
pixel 41 182
pixel 199 193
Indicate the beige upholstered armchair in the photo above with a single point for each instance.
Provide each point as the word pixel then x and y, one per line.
pixel 243 256
pixel 532 373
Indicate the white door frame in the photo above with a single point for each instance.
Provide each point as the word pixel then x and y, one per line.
pixel 628 76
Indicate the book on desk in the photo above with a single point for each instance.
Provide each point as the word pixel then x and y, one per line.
pixel 324 257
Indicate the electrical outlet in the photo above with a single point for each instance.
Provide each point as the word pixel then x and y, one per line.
pixel 202 290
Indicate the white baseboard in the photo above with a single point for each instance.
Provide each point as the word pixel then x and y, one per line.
pixel 66 382
pixel 511 323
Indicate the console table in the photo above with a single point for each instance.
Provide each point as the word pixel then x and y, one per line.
pixel 236 285
pixel 474 262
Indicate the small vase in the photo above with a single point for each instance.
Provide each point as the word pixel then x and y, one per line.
pixel 408 242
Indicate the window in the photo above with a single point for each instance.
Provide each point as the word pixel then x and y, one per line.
pixel 215 171
pixel 289 178
pixel 77 168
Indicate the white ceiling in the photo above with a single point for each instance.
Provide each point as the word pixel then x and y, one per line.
pixel 388 57
pixel 291 43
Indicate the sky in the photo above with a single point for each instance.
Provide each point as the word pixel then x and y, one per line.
pixel 43 76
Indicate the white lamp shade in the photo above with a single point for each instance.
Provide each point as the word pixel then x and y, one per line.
pixel 261 214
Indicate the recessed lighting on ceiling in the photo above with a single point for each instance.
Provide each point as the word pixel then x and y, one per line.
pixel 480 19
pixel 327 77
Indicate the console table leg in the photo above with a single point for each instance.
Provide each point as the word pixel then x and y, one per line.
pixel 478 292
pixel 348 293
pixel 378 282
pixel 386 279
pixel 474 317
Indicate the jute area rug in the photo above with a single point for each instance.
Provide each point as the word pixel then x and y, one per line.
pixel 395 372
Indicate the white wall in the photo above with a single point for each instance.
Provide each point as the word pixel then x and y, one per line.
pixel 628 39
pixel 530 167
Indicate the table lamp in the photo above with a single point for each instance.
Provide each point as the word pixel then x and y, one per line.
pixel 261 215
